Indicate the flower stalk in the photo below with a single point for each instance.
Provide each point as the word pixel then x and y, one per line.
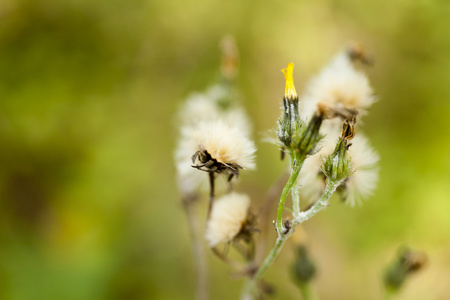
pixel 282 238
pixel 297 166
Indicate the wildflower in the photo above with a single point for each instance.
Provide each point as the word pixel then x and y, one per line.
pixel 338 85
pixel 292 131
pixel 210 106
pixel 222 147
pixel 290 93
pixel 227 218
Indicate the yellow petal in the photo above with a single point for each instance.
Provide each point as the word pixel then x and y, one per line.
pixel 290 92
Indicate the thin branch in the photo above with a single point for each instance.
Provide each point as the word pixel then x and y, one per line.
pixel 282 238
pixel 211 194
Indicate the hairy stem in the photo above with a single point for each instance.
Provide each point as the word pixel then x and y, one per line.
pixel 282 238
pixel 297 164
pixel 330 188
pixel 294 192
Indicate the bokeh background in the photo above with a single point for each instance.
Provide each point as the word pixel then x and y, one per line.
pixel 89 91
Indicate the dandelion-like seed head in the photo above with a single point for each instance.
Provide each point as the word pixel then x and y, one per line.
pixel 228 215
pixel 339 85
pixel 222 147
pixel 208 107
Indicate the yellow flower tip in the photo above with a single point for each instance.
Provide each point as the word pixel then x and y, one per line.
pixel 290 92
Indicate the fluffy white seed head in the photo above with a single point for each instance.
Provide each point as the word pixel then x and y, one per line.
pixel 201 108
pixel 339 83
pixel 227 217
pixel 225 143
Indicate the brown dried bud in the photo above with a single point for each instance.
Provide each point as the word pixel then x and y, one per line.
pixel 357 52
pixel 349 129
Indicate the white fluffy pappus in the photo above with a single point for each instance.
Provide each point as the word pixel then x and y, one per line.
pixel 360 185
pixel 228 214
pixel 198 109
pixel 339 83
pixel 225 143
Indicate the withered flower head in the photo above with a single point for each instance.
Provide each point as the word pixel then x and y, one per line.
pixel 357 52
pixel 349 129
pixel 215 103
pixel 222 147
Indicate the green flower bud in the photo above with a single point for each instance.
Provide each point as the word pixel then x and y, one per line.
pixel 303 269
pixel 308 138
pixel 406 263
pixel 289 123
pixel 337 165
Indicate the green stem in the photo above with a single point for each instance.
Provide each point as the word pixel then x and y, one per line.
pixel 297 166
pixel 330 188
pixel 323 202
pixel 249 290
pixel 389 294
pixel 305 290
pixel 294 192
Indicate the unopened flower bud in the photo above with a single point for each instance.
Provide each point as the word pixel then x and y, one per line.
pixel 289 122
pixel 406 263
pixel 310 136
pixel 337 165
pixel 303 269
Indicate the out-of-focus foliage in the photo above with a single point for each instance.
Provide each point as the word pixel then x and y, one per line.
pixel 88 95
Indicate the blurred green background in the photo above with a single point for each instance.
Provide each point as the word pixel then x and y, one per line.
pixel 89 92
